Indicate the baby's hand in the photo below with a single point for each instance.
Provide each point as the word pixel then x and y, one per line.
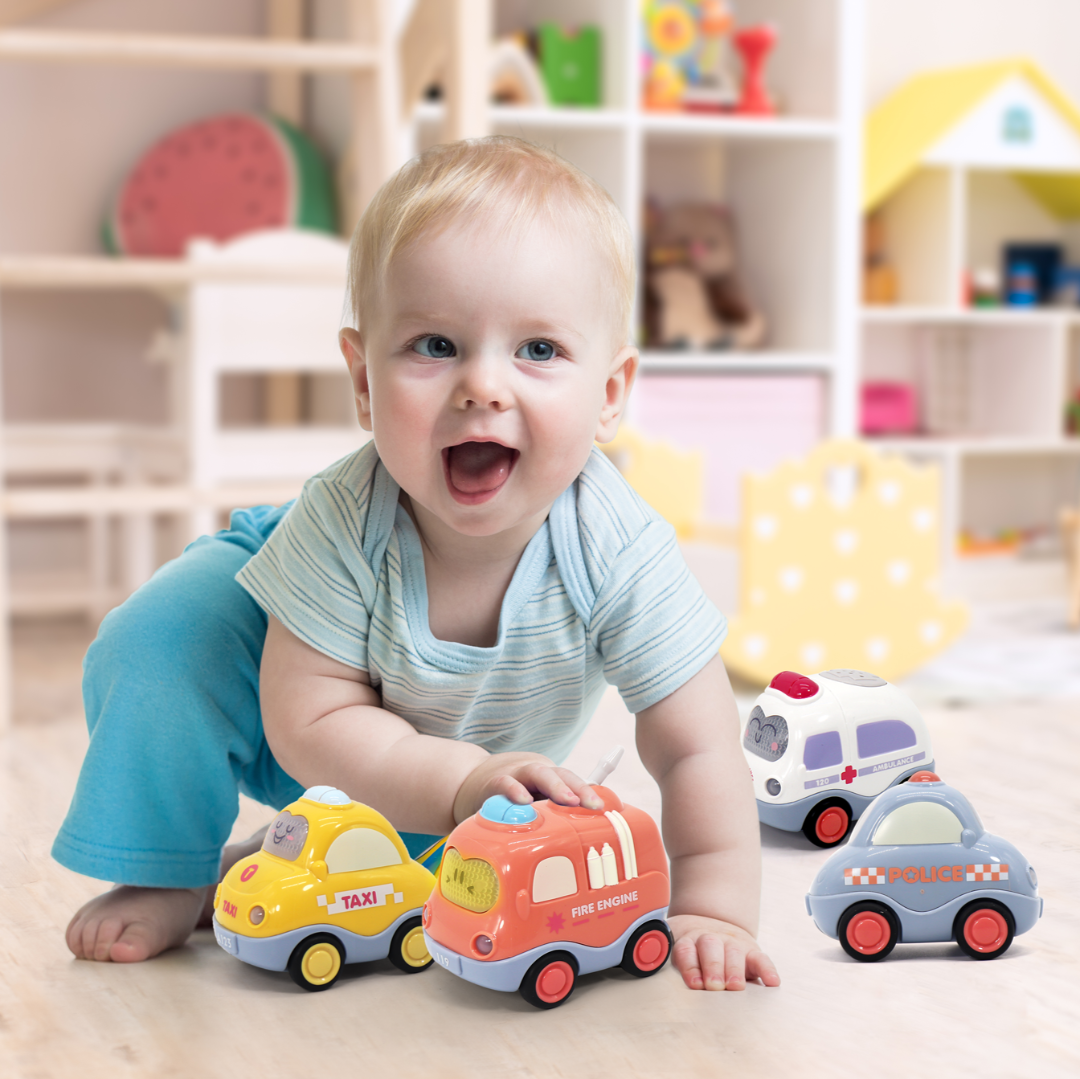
pixel 521 777
pixel 710 954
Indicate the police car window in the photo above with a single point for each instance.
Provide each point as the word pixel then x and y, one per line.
pixel 823 750
pixel 884 736
pixel 554 878
pixel 766 736
pixel 361 848
pixel 286 836
pixel 918 822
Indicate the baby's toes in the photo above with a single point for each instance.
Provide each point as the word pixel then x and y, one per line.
pixel 136 943
pixel 99 937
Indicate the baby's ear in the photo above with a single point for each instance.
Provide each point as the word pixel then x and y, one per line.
pixel 352 348
pixel 616 390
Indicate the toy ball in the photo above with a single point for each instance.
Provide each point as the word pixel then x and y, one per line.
pixel 921 867
pixel 219 178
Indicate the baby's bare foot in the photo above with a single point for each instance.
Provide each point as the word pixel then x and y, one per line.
pixel 128 925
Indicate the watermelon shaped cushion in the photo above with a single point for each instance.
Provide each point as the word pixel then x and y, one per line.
pixel 218 178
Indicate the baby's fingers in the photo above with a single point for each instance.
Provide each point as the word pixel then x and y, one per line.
pixel 584 794
pixel 759 965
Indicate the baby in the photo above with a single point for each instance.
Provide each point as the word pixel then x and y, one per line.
pixel 434 620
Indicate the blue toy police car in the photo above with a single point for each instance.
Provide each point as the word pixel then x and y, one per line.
pixel 920 867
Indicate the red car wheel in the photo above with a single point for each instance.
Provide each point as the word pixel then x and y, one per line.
pixel 984 929
pixel 550 980
pixel 868 931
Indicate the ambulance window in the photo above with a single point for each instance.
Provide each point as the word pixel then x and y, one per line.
pixel 766 736
pixel 554 878
pixel 361 848
pixel 286 836
pixel 884 736
pixel 918 822
pixel 823 750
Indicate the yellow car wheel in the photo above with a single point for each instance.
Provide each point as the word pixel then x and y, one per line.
pixel 408 950
pixel 316 962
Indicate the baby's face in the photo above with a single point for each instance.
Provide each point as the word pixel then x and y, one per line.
pixel 489 369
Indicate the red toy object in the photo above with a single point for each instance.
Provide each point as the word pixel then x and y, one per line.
pixel 888 408
pixel 754 44
pixel 530 897
pixel 219 178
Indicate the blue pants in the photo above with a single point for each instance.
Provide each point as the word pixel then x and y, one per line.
pixel 171 690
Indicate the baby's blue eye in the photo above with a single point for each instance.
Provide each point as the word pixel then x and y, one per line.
pixel 536 350
pixel 435 347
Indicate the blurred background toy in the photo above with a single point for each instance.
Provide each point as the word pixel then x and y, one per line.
pixel 570 63
pixel 693 293
pixel 515 76
pixel 754 44
pixel 685 62
pixel 888 408
pixel 880 285
pixel 216 179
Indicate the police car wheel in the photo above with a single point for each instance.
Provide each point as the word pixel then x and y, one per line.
pixel 550 980
pixel 984 929
pixel 868 931
pixel 408 950
pixel 828 823
pixel 316 962
pixel 647 950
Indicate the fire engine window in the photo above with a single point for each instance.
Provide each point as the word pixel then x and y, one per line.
pixel 554 878
pixel 918 822
pixel 361 848
pixel 286 836
pixel 822 750
pixel 884 736
pixel 766 736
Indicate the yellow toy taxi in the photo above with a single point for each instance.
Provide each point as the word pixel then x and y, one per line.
pixel 332 884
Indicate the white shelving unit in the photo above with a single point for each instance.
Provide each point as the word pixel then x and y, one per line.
pixel 993 382
pixel 791 182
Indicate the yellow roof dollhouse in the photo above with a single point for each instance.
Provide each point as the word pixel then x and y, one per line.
pixel 1007 116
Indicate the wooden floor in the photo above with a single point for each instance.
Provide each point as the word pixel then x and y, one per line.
pixel 198 1012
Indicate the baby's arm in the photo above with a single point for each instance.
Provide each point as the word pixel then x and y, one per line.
pixel 324 723
pixel 689 742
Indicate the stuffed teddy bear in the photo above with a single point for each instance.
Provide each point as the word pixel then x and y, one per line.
pixel 693 296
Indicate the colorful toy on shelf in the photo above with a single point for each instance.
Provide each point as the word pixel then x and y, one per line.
pixel 839 556
pixel 683 63
pixel 880 283
pixel 888 408
pixel 216 179
pixel 333 884
pixel 821 749
pixel 570 63
pixel 693 293
pixel 1031 272
pixel 515 76
pixel 531 897
pixel 920 867
pixel 754 44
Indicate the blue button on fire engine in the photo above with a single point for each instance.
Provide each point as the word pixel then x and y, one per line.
pixel 499 808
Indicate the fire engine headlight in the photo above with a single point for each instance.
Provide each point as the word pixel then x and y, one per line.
pixel 256 915
pixel 425 916
pixel 773 786
pixel 482 945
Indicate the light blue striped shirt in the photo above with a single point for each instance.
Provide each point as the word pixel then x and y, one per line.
pixel 601 594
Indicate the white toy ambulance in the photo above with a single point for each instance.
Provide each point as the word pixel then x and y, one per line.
pixel 822 748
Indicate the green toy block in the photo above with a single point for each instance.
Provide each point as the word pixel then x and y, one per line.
pixel 570 64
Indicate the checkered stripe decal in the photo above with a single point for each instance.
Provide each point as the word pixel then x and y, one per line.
pixel 858 875
pixel 982 873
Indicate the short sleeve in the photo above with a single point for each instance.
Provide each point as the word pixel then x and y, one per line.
pixel 651 622
pixel 312 576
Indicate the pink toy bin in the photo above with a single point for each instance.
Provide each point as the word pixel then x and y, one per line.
pixel 888 408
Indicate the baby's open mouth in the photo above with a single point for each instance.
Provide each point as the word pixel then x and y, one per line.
pixel 475 469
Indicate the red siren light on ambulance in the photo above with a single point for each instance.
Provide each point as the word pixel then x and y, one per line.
pixel 795 685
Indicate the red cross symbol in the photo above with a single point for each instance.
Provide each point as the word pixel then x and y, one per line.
pixel 848 774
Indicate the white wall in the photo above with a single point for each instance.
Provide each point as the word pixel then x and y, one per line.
pixel 905 37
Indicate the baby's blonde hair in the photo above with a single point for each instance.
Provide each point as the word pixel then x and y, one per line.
pixel 477 178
